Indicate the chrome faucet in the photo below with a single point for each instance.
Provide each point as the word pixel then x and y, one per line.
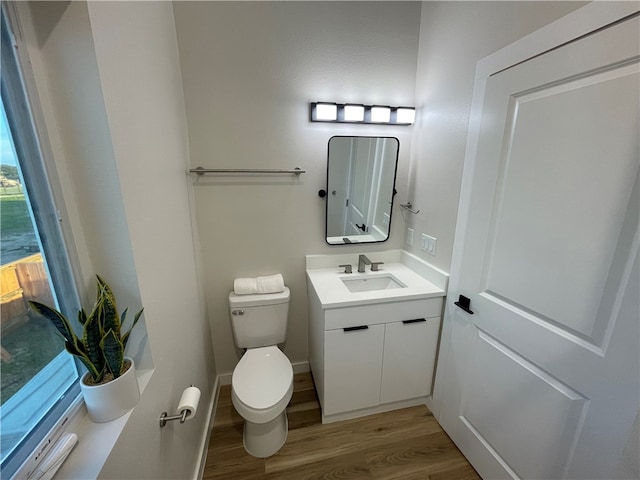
pixel 362 261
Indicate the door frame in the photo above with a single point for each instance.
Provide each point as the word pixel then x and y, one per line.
pixel 583 21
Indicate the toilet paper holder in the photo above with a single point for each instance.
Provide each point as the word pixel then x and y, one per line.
pixel 182 416
pixel 187 406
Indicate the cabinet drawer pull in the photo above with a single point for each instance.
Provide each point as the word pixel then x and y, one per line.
pixel 352 329
pixel 415 320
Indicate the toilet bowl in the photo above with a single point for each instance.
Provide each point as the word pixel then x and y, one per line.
pixel 262 385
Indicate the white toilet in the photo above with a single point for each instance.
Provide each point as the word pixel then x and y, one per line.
pixel 262 382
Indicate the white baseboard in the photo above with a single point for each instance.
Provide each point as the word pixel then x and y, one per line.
pixel 338 417
pixel 204 441
pixel 300 367
pixel 224 379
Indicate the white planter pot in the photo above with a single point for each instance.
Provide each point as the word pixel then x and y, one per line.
pixel 111 400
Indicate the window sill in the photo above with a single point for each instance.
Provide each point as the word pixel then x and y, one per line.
pixel 86 461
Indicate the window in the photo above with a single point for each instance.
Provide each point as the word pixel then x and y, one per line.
pixel 38 378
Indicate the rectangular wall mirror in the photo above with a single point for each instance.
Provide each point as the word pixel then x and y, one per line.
pixel 361 177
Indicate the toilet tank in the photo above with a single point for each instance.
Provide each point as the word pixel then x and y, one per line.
pixel 259 320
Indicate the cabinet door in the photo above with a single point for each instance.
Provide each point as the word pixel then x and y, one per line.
pixel 353 365
pixel 409 357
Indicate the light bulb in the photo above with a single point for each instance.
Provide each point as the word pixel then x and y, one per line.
pixel 380 114
pixel 326 111
pixel 405 115
pixel 354 113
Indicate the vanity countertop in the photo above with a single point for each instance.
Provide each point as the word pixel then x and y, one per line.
pixel 333 293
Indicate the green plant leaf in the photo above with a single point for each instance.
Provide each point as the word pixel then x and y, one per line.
pixel 125 337
pixel 113 353
pixel 104 289
pixel 82 316
pixel 123 317
pixel 92 335
pixel 110 318
pixel 100 349
pixel 96 374
pixel 57 319
pixel 96 315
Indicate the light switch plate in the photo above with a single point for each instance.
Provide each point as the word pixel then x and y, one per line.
pixel 410 236
pixel 428 244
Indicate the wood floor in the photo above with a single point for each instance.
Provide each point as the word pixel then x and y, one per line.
pixel 406 444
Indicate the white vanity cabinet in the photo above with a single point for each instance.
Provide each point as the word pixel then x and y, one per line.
pixel 373 358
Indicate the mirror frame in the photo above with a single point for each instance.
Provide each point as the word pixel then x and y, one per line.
pixel 393 189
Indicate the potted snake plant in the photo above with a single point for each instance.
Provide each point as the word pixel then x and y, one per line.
pixel 110 387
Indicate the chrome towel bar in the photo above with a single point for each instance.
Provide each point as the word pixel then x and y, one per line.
pixel 202 171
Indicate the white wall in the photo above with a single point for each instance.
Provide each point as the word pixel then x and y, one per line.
pixel 453 37
pixel 67 81
pixel 110 79
pixel 249 71
pixel 137 55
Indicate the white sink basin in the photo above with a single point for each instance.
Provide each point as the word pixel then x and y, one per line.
pixel 369 284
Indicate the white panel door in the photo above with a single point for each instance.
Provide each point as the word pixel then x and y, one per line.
pixel 542 380
pixel 362 163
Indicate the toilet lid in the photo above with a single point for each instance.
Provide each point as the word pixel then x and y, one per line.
pixel 262 377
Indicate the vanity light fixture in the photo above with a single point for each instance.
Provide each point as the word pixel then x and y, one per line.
pixel 357 113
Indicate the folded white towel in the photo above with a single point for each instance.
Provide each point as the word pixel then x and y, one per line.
pixel 266 284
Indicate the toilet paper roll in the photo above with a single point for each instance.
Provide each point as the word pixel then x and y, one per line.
pixel 189 401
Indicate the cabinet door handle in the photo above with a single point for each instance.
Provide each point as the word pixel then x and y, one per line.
pixel 353 329
pixel 415 320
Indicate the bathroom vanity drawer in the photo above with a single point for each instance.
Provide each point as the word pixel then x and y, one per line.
pixel 381 313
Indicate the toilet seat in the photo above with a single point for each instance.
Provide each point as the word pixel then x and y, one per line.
pixel 262 384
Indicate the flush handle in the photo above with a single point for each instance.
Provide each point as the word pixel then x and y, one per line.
pixel 237 312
